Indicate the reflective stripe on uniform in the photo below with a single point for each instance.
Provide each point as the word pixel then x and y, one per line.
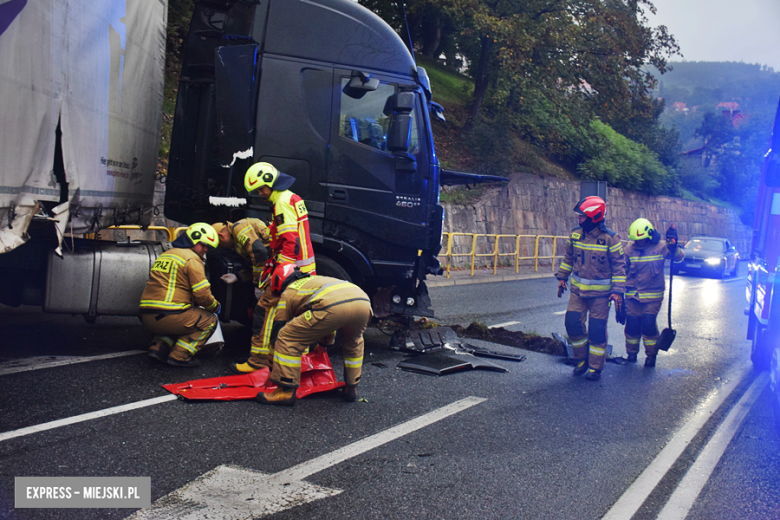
pixel 565 267
pixel 167 306
pixel 590 247
pixel 632 341
pixel 650 258
pixel 644 295
pixel 616 248
pixel 288 361
pixel 580 343
pixel 200 285
pixel 329 288
pixel 192 345
pixel 353 362
pixel 618 279
pixel 596 351
pixel 649 342
pixel 591 285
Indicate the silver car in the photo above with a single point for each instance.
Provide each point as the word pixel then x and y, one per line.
pixel 708 255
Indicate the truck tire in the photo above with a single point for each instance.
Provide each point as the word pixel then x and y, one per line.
pixel 761 349
pixel 328 267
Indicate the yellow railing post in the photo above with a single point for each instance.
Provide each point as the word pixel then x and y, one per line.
pixel 517 254
pixel 555 241
pixel 449 252
pixel 536 254
pixel 473 251
pixel 495 252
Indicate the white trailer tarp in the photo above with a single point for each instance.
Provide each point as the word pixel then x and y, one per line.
pixel 95 68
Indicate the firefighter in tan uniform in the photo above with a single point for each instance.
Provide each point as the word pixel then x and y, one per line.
pixel 594 259
pixel 309 309
pixel 290 245
pixel 249 238
pixel 645 285
pixel 175 292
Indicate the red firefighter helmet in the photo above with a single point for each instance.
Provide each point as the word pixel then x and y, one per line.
pixel 593 207
pixel 283 276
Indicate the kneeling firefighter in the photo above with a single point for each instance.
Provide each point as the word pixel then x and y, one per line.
pixel 594 259
pixel 249 238
pixel 645 285
pixel 176 280
pixel 311 308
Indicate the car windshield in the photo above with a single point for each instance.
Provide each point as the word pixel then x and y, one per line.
pixel 698 244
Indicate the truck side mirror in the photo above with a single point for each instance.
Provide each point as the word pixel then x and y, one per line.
pixel 359 84
pixel 400 105
pixel 772 178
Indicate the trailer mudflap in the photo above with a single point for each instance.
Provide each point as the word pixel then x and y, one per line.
pixel 317 375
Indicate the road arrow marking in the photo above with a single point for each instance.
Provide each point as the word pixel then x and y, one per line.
pixel 232 493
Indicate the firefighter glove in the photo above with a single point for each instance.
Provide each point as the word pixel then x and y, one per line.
pixel 561 287
pixel 620 308
pixel 229 278
pixel 671 236
pixel 258 293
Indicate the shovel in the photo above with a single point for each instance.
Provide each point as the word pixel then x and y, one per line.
pixel 668 334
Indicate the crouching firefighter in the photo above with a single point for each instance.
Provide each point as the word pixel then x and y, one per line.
pixel 309 309
pixel 249 238
pixel 594 259
pixel 176 281
pixel 645 285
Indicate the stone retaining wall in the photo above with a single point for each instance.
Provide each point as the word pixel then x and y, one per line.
pixel 536 205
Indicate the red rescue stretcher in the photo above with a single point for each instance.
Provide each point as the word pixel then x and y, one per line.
pixel 317 375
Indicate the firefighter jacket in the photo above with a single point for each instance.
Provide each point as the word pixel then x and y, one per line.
pixel 595 262
pixel 250 238
pixel 645 270
pixel 316 293
pixel 177 281
pixel 290 241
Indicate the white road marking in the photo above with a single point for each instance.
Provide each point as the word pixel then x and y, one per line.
pixel 36 363
pixel 231 493
pixel 559 313
pixel 734 279
pixel 683 498
pixel 497 325
pixel 85 417
pixel 630 502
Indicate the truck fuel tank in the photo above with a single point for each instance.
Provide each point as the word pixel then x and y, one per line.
pixel 99 278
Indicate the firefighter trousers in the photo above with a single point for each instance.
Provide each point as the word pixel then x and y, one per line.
pixel 640 321
pixel 261 350
pixel 352 317
pixel 590 341
pixel 181 335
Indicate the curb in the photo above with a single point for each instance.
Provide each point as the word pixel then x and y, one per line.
pixel 497 278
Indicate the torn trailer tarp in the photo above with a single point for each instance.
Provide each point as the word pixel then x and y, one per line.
pixel 317 375
pixel 81 86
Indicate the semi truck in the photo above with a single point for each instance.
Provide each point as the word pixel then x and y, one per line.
pixel 763 269
pixel 325 90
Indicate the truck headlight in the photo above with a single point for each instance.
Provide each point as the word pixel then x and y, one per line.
pixel 713 261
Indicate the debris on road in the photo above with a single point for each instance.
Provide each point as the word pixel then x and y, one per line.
pixel 511 338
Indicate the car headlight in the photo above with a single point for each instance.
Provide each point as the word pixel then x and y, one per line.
pixel 713 261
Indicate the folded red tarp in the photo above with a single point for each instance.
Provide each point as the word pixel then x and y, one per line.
pixel 316 376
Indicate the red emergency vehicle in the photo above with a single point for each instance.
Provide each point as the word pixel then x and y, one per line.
pixel 762 295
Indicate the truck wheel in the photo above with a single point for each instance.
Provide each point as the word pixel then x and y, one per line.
pixel 761 349
pixel 329 267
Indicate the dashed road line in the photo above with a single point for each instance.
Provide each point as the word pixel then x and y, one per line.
pixel 39 362
pixel 84 417
pixel 508 323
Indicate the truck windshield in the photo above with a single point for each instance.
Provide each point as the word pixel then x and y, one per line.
pixel 364 121
pixel 704 245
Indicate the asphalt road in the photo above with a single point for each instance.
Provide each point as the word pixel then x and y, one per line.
pixel 534 442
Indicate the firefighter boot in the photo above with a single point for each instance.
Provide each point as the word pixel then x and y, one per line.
pixel 190 363
pixel 282 396
pixel 594 374
pixel 650 361
pixel 350 393
pixel 581 367
pixel 243 368
pixel 631 357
